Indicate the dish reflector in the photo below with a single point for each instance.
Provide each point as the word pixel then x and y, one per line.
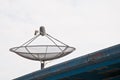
pixel 43 53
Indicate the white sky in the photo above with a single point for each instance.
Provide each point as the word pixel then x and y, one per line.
pixel 88 25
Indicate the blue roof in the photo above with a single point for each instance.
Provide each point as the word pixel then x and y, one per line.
pixel 94 65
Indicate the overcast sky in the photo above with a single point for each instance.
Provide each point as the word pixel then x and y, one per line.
pixel 87 25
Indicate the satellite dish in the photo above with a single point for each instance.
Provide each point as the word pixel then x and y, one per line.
pixel 43 53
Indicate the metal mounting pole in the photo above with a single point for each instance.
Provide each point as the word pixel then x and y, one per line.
pixel 42 65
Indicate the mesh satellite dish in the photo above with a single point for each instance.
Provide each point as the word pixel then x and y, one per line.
pixel 42 53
